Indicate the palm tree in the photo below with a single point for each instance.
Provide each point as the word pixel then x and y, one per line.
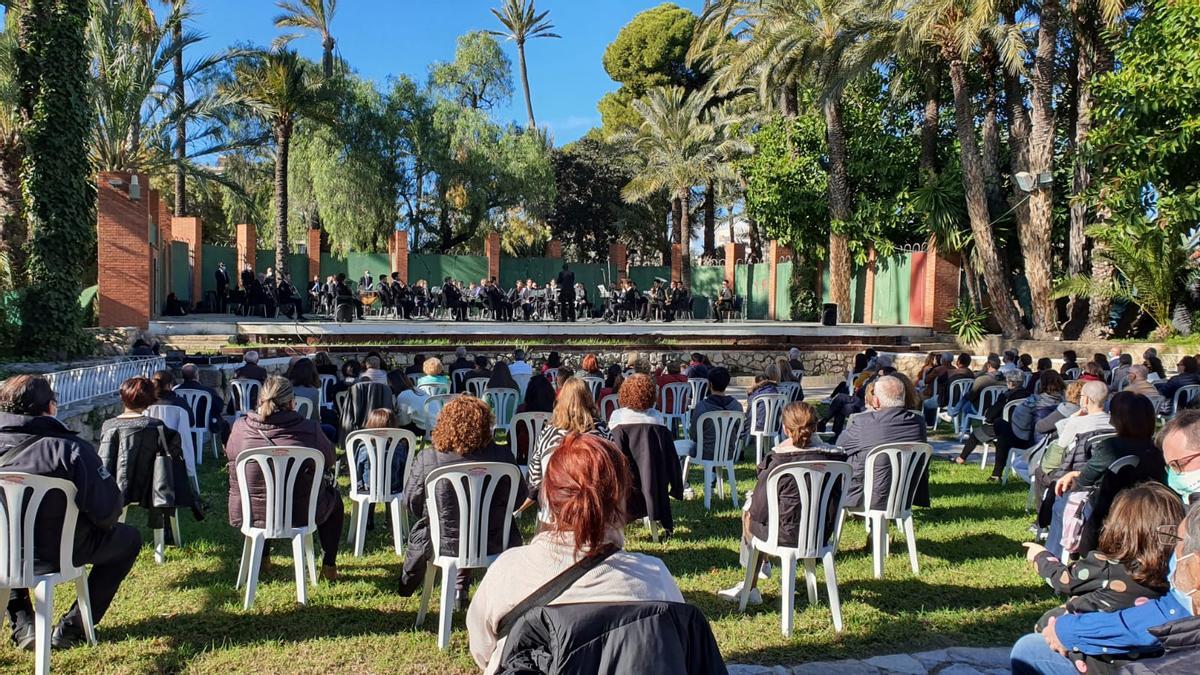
pixel 681 146
pixel 315 16
pixel 279 88
pixel 523 23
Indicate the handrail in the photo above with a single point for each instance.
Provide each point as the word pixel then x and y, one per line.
pixel 89 382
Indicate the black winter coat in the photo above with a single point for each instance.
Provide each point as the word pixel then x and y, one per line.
pixel 613 639
pixel 128 447
pixel 656 473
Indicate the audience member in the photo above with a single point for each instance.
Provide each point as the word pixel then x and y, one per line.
pixel 613 378
pixel 697 367
pixel 519 366
pixel 575 412
pixel 410 403
pixel 636 399
pixel 250 370
pixel 1155 366
pixel 1070 362
pixel 1181 451
pixel 191 381
pixel 434 374
pixel 417 368
pixel 164 387
pixel 1137 381
pixel 1188 374
pixel 716 401
pixel 374 371
pixel 888 422
pixel 995 429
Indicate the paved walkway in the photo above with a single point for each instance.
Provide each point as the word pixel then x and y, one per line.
pixel 950 661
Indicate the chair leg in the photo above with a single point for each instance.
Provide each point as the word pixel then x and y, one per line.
pixel 298 562
pixel 83 597
pixel 350 531
pixel 397 510
pixel 426 591
pixel 752 562
pixel 174 520
pixel 835 603
pixel 650 525
pixel 198 442
pixel 257 544
pixel 732 486
pixel 708 475
pixel 911 538
pixel 810 579
pixel 983 460
pixel 360 527
pixel 310 553
pixel 160 546
pixel 43 608
pixel 244 565
pixel 788 606
pixel 449 579
pixel 879 543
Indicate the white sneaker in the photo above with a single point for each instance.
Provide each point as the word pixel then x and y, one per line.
pixel 945 417
pixel 734 595
pixel 764 572
pixel 689 493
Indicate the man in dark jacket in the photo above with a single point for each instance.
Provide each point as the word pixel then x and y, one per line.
pixel 716 401
pixel 191 381
pixel 888 423
pixel 222 277
pixel 33 441
pixel 250 370
pixel 566 298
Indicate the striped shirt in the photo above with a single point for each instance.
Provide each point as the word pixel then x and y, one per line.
pixel 548 442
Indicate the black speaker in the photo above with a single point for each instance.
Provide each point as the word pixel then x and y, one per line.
pixel 829 314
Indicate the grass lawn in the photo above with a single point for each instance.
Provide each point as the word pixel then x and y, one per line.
pixel 185 616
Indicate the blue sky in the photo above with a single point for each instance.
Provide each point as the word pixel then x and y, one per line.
pixel 389 37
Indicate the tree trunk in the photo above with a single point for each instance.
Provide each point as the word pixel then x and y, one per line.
pixel 283 137
pixel 683 233
pixel 789 102
pixel 1036 233
pixel 1091 59
pixel 929 127
pixel 180 126
pixel 525 84
pixel 994 271
pixel 1018 138
pixel 990 130
pixel 710 219
pixel 972 278
pixel 327 43
pixel 839 209
pixel 12 216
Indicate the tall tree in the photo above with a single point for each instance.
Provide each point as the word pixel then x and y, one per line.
pixel 179 91
pixel 278 87
pixel 314 16
pixel 480 77
pixel 12 212
pixel 522 22
pixel 52 80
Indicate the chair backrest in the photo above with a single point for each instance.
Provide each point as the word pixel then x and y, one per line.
pixel 595 384
pixel 1072 374
pixel 342 398
pixel 720 430
pixel 433 407
pixel 990 395
pixel 1025 378
pixel 1006 415
pixel 176 419
pixel 699 387
pixel 201 403
pixel 476 385
pixel 378 447
pixel 1123 463
pixel 673 398
pixel 280 465
pixel 459 378
pixel 532 423
pixel 609 405
pixel 474 485
pixel 1184 397
pixel 959 389
pixel 23 497
pixel 327 384
pixel 434 388
pixel 245 394
pixel 304 406
pixel 908 462
pixel 815 483
pixel 503 402
pixel 766 412
pixel 791 390
pixel 522 380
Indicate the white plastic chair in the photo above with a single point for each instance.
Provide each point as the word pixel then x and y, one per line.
pixel 201 403
pixel 766 412
pixel 958 391
pixel 474 485
pixel 378 447
pixel 1072 374
pixel 304 406
pixel 23 497
pixel 699 387
pixel 459 378
pixel 1005 415
pixel 504 405
pixel 522 380
pixel 727 427
pixel 1183 398
pixel 987 398
pixel 815 483
pixel 595 384
pixel 342 399
pixel 791 390
pixel 244 393
pixel 327 384
pixel 673 402
pixel 176 419
pixel 280 467
pixel 533 423
pixel 432 408
pixel 434 388
pixel 908 462
pixel 476 385
pixel 609 405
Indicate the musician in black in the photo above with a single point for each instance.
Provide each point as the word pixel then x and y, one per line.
pixel 680 300
pixel 631 299
pixel 566 294
pixel 365 282
pixel 401 297
pixel 345 296
pixel 452 299
pixel 656 300
pixel 288 299
pixel 420 295
pixel 497 301
pixel 384 290
pixel 723 302
pixel 582 304
pixel 222 287
pixel 314 294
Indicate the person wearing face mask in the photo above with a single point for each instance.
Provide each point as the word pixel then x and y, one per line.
pixel 1155 636
pixel 1181 450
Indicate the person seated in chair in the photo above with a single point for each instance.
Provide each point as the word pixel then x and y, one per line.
pixel 886 422
pixel 402 298
pixel 288 299
pixel 723 302
pixel 452 299
pixel 497 301
pixel 345 296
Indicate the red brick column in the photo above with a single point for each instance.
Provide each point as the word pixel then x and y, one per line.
pixel 314 254
pixel 399 251
pixel 554 249
pixel 677 262
pixel 618 256
pixel 733 253
pixel 124 258
pixel 247 248
pixel 775 253
pixel 941 287
pixel 491 249
pixel 869 288
pixel 189 231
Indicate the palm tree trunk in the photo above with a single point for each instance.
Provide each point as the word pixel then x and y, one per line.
pixel 283 137
pixel 990 129
pixel 327 43
pixel 683 232
pixel 1092 58
pixel 929 127
pixel 12 217
pixel 180 126
pixel 789 101
pixel 1036 233
pixel 525 84
pixel 710 218
pixel 994 271
pixel 839 209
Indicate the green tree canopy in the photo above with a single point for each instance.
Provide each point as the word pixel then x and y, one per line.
pixel 479 77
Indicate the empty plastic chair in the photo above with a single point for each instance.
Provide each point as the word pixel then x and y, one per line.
pixel 504 405
pixel 526 429
pixel 673 402
pixel 378 484
pixel 201 403
pixel 723 430
pixel 699 386
pixel 245 395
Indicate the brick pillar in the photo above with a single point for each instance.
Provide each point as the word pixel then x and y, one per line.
pixel 733 253
pixel 775 252
pixel 554 249
pixel 618 256
pixel 314 254
pixel 399 251
pixel 124 258
pixel 869 288
pixel 247 248
pixel 491 249
pixel 676 262
pixel 189 231
pixel 941 287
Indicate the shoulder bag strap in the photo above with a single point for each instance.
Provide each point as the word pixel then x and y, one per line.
pixel 19 449
pixel 553 588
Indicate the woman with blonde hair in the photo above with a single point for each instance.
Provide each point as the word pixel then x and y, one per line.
pixel 276 423
pixel 434 372
pixel 575 412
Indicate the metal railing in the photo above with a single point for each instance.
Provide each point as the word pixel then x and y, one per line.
pixel 83 384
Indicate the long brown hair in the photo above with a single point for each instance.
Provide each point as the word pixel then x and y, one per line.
pixel 800 423
pixel 575 410
pixel 1130 533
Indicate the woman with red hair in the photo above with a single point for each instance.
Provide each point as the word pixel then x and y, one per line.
pixel 584 489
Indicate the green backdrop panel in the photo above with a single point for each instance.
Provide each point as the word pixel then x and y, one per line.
pixel 375 263
pixel 644 276
pixel 540 270
pixel 210 257
pixel 331 266
pixel 783 292
pixel 858 281
pixel 181 271
pixel 435 268
pixel 892 284
pixel 706 283
pixel 753 285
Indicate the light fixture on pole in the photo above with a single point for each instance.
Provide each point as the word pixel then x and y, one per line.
pixel 1029 182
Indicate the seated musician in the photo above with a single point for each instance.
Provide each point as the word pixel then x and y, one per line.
pixel 497 301
pixel 551 299
pixel 420 296
pixel 365 282
pixel 401 297
pixel 314 294
pixel 723 301
pixel 678 301
pixel 384 289
pixel 629 298
pixel 288 299
pixel 344 296
pixel 452 299
pixel 525 299
pixel 583 306
pixel 656 300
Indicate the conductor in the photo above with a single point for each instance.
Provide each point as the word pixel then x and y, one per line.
pixel 566 298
